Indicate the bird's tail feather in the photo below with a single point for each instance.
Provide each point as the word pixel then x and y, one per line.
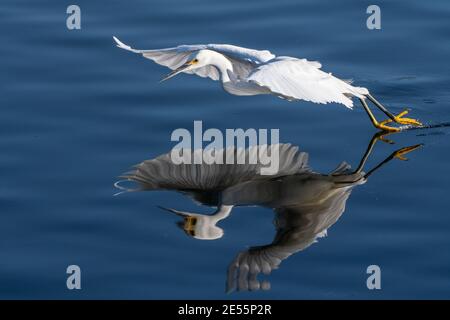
pixel 362 91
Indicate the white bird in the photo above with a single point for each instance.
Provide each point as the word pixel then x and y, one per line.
pixel 306 203
pixel 246 72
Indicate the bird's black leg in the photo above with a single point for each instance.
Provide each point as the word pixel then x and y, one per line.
pixel 379 125
pixel 380 106
pixel 393 118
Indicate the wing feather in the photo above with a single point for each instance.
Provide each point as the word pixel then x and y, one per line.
pixel 162 173
pixel 244 60
pixel 300 79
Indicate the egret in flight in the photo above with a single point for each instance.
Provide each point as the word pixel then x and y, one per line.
pixel 306 203
pixel 246 72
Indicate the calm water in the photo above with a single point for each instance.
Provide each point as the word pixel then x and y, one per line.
pixel 78 112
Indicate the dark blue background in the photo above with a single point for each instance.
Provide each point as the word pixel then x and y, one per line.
pixel 76 112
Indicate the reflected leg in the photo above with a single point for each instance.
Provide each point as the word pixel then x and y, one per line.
pixel 399 154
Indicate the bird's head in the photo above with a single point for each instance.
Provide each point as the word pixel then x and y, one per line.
pixel 202 226
pixel 198 226
pixel 196 60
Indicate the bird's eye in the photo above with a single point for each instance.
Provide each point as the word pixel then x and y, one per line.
pixel 195 60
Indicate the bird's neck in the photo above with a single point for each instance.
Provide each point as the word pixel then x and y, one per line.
pixel 223 65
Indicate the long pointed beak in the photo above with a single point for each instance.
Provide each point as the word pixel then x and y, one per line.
pixel 177 212
pixel 177 71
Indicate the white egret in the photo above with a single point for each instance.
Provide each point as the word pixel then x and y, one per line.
pixel 246 72
pixel 306 203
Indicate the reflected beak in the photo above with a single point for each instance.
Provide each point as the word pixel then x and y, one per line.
pixel 177 71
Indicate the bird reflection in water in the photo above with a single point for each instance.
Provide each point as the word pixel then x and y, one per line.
pixel 306 203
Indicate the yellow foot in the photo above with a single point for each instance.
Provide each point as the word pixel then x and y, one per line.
pixel 382 126
pixel 399 154
pixel 399 119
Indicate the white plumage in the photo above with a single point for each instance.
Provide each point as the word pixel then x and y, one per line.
pixel 300 79
pixel 245 71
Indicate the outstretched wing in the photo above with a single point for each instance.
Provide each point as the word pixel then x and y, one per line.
pixel 244 60
pixel 163 173
pixel 300 79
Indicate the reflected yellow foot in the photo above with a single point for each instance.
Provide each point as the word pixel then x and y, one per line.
pixel 382 137
pixel 399 154
pixel 399 119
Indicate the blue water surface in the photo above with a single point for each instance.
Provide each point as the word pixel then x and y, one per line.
pixel 77 112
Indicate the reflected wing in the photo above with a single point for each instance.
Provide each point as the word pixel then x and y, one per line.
pixel 243 59
pixel 298 227
pixel 243 271
pixel 162 173
pixel 300 79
